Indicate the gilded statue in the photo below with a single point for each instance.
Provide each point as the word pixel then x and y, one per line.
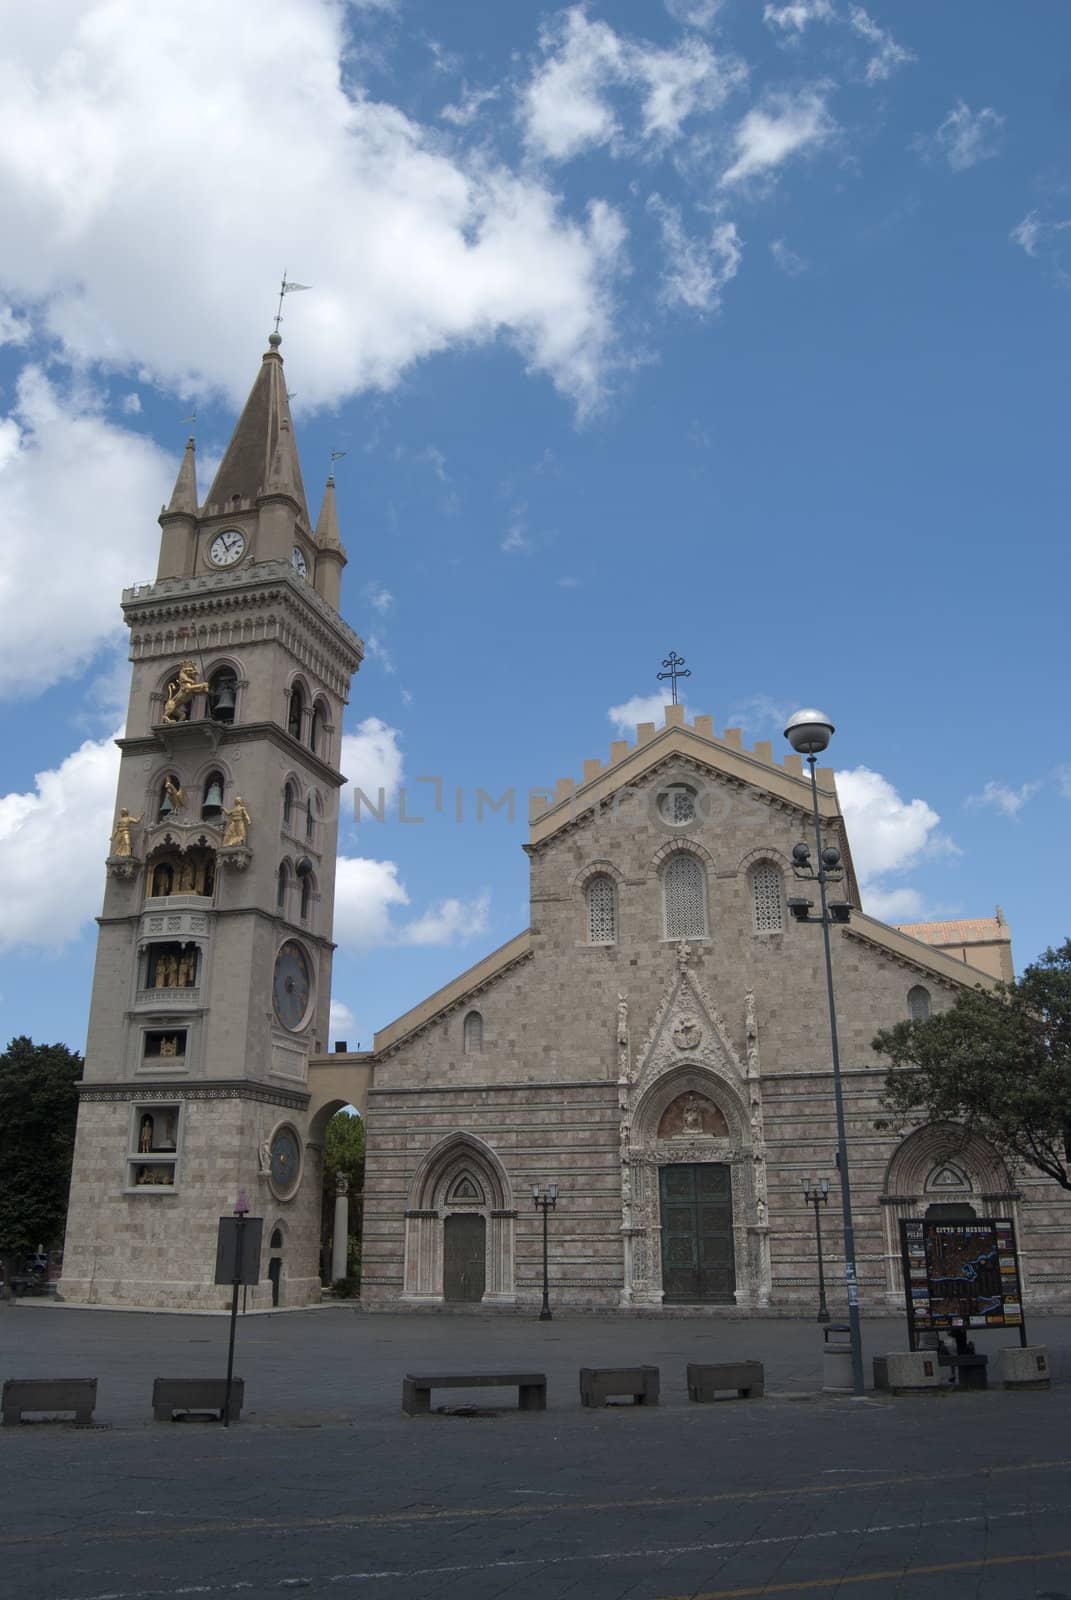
pixel 187 878
pixel 145 1135
pixel 238 823
pixel 175 793
pixel 121 845
pixel 180 691
pixel 169 1047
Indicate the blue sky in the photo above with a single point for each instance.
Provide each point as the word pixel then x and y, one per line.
pixel 735 329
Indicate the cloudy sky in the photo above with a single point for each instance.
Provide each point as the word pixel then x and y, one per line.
pixel 709 325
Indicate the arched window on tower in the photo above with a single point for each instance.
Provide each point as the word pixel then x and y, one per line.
pixel 295 713
pixel 684 888
pixel 172 798
pixel 602 910
pixel 212 804
pixel 306 896
pixel 312 817
pixel 766 898
pixel 282 886
pixel 288 803
pixel 918 1003
pixel 473 1034
pixel 222 694
pixel 318 729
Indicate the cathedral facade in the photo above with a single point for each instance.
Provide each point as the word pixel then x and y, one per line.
pixel 655 1043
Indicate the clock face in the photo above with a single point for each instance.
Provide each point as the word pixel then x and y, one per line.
pixel 227 548
pixel 285 1160
pixel 292 989
pixel 297 561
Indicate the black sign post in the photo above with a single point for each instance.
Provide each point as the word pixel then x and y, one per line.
pixel 961 1275
pixel 237 1262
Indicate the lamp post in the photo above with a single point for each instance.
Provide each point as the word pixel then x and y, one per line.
pixel 816 1194
pixel 809 733
pixel 545 1198
pixel 241 1211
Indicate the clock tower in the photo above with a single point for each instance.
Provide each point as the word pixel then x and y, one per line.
pixel 213 974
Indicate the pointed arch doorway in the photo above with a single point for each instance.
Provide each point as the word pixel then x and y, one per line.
pixel 459 1240
pixel 698 1246
pixel 464 1257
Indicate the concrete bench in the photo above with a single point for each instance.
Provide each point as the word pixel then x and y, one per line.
pixel 597 1384
pixel 745 1379
pixel 416 1388
pixel 196 1396
pixel 49 1395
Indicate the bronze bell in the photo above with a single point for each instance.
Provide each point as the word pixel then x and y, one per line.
pixel 213 805
pixel 223 700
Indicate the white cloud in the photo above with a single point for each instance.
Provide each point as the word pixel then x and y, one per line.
pixel 888 55
pixel 783 125
pixel 1063 781
pixel 567 583
pixel 760 713
pixel 888 835
pixel 1037 237
pixel 378 596
pixel 567 107
pixel 1000 797
pixel 367 892
pixel 13 328
pixel 694 13
pixel 60 463
pixel 641 708
pixel 132 405
pixel 123 127
pixel 786 260
pixel 343 1024
pixel 376 649
pixel 372 761
pixel 965 137
pixel 53 843
pixel 695 271
pixel 516 541
pixel 797 16
pixel 467 109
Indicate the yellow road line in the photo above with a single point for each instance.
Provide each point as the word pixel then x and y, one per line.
pixel 523 1512
pixel 870 1577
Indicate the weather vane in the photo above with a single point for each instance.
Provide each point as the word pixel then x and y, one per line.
pixel 286 288
pixel 336 455
pixel 192 420
pixel 677 669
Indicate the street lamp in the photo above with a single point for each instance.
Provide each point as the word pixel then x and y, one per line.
pixel 545 1198
pixel 809 733
pixel 816 1194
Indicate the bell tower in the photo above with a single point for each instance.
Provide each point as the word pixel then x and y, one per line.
pixel 213 974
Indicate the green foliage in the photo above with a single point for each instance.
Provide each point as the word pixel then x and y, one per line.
pixel 347 1288
pixel 344 1152
pixel 998 1063
pixel 38 1111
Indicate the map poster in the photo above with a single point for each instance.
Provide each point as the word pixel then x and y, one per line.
pixel 960 1275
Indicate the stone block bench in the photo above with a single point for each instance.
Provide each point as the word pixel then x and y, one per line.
pixel 597 1384
pixel 48 1395
pixel 744 1379
pixel 187 1397
pixel 416 1388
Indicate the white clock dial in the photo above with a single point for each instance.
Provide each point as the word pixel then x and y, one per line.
pixel 227 548
pixel 297 561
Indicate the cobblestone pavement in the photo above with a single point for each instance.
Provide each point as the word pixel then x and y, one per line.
pixel 326 1488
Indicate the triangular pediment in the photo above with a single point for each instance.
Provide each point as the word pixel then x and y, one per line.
pixel 687 1029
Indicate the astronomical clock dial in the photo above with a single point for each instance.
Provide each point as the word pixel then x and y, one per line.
pixel 227 548
pixel 297 561
pixel 285 1161
pixel 292 988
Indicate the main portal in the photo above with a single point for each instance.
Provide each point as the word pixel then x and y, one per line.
pixel 698 1258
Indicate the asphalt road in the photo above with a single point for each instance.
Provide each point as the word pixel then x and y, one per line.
pixel 327 1488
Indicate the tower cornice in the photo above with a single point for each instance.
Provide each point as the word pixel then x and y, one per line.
pixel 225 735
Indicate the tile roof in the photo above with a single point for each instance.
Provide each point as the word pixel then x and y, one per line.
pixel 972 930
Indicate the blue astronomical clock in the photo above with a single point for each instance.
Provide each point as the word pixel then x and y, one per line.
pixel 292 985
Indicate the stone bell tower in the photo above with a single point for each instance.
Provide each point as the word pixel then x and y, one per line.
pixel 213 973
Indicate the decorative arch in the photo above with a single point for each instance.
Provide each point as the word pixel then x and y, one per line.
pixel 472 1032
pixel 685 886
pixel 297 704
pixel 673 847
pixel 461 1175
pixel 320 728
pixel 919 1002
pixel 766 852
pixel 289 813
pixel 766 888
pixel 690 1078
pixel 226 680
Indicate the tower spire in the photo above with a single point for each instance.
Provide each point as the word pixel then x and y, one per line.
pixel 262 454
pixel 184 494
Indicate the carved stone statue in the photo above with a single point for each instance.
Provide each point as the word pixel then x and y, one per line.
pixel 121 845
pixel 264 1152
pixel 238 823
pixel 622 1020
pixel 187 883
pixel 180 691
pixel 693 1115
pixel 342 1184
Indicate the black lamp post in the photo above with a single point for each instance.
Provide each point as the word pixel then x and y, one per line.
pixel 545 1198
pixel 816 1194
pixel 809 733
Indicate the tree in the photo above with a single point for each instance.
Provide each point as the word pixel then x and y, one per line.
pixel 344 1153
pixel 38 1112
pixel 998 1063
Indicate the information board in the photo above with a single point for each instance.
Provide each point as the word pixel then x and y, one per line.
pixel 960 1275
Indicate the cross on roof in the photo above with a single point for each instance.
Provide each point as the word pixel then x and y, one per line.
pixel 677 669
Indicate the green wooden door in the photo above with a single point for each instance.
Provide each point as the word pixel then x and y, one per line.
pixel 698 1262
pixel 463 1258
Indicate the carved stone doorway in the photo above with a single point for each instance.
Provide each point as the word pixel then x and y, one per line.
pixel 698 1249
pixel 464 1258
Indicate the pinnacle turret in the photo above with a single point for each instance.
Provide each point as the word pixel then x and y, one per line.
pixel 184 495
pixel 327 534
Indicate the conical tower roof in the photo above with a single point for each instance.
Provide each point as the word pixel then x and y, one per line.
pixel 184 494
pixel 262 455
pixel 327 534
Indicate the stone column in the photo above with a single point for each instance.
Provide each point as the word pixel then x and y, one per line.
pixel 340 1238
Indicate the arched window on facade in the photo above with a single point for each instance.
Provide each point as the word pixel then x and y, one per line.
pixel 282 886
pixel 288 803
pixel 306 896
pixel 766 897
pixel 918 1003
pixel 602 910
pixel 473 1034
pixel 212 803
pixel 318 729
pixel 312 817
pixel 295 712
pixel 222 694
pixel 684 887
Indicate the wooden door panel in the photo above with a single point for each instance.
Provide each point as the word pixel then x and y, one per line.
pixel 464 1258
pixel 698 1252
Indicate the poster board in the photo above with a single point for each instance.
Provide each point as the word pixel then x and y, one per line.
pixel 960 1275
